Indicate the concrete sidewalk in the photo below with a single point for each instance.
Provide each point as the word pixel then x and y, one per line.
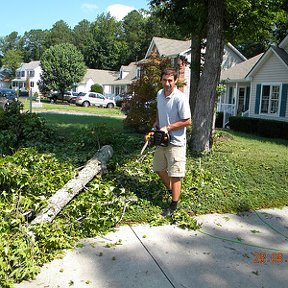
pixel 245 250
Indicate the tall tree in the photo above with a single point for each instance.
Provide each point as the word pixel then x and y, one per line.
pixel 33 44
pixel 62 66
pixel 82 36
pixel 201 138
pixel 12 60
pixel 9 42
pixel 60 33
pixel 102 52
pixel 134 35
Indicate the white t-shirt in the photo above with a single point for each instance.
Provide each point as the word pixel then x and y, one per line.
pixel 171 109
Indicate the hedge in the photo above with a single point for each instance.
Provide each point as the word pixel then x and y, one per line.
pixel 260 127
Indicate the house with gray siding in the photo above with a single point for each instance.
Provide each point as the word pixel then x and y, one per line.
pixel 258 87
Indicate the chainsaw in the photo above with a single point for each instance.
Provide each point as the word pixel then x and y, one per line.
pixel 155 138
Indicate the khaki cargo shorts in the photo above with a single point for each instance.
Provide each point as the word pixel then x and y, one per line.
pixel 171 159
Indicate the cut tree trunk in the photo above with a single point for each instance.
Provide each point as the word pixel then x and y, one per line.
pixel 74 186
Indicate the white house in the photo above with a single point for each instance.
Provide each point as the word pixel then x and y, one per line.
pixel 258 87
pixel 174 49
pixel 113 82
pixel 28 74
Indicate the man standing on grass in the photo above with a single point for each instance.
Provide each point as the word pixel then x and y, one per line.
pixel 173 116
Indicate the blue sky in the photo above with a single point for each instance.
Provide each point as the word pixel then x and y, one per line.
pixel 25 15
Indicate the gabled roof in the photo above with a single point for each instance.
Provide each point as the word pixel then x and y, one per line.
pixel 100 76
pixel 29 66
pixel 168 47
pixel 236 51
pixel 279 52
pixel 239 71
pixel 284 42
pixel 106 77
pixel 171 47
pixel 131 70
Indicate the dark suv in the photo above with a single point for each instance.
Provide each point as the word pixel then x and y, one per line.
pixel 7 96
pixel 68 95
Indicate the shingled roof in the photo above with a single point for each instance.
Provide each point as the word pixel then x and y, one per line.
pixel 101 76
pixel 29 66
pixel 239 71
pixel 168 47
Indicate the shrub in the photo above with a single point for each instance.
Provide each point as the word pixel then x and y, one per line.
pixel 21 129
pixel 219 120
pixel 97 88
pixel 260 127
pixel 142 108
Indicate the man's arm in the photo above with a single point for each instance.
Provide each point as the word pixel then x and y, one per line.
pixel 177 125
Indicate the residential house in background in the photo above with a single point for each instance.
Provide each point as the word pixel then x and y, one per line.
pixel 179 49
pixel 27 77
pixel 113 82
pixel 235 99
pixel 258 87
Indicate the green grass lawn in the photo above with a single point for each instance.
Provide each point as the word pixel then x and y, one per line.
pixel 242 172
pixel 66 107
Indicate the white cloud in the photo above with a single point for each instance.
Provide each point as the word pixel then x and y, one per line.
pixel 119 11
pixel 87 7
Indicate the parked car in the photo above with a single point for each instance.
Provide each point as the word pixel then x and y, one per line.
pixel 121 98
pixel 7 96
pixel 94 99
pixel 68 95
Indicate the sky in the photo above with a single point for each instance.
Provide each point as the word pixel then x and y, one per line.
pixel 24 15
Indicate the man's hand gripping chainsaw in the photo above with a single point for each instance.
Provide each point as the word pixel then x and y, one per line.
pixel 155 138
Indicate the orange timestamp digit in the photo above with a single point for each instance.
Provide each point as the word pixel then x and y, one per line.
pixel 263 258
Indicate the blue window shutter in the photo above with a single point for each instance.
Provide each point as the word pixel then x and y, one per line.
pixel 283 100
pixel 257 102
pixel 247 98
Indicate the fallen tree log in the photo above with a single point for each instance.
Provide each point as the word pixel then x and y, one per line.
pixel 74 186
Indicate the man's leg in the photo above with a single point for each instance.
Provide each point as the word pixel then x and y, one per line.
pixel 176 188
pixel 165 179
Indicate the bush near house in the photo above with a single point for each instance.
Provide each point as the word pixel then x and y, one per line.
pixel 97 88
pixel 219 120
pixel 260 127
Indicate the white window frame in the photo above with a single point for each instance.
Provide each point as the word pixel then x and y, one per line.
pixel 270 100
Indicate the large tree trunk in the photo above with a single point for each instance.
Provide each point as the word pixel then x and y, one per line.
pixel 74 186
pixel 202 118
pixel 195 68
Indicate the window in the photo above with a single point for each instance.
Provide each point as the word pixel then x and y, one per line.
pixel 22 73
pixel 138 72
pixel 30 73
pixel 31 84
pixel 241 100
pixel 230 100
pixel 270 99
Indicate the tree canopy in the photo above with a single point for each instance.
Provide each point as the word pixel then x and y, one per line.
pixel 12 60
pixel 62 66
